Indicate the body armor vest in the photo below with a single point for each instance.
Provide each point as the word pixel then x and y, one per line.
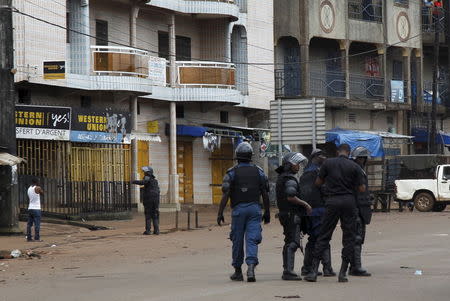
pixel 246 185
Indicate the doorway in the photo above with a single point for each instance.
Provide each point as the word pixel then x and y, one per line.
pixel 185 172
pixel 222 160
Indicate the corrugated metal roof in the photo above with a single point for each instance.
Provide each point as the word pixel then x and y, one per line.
pixel 8 159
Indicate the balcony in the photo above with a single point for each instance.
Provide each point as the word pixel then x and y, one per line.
pixel 433 18
pixel 201 81
pixel 211 8
pixel 119 61
pixel 366 87
pixel 366 11
pixel 327 84
pixel 442 95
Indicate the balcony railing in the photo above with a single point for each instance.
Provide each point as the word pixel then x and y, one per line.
pixel 287 84
pixel 371 11
pixel 366 87
pixel 442 95
pixel 206 74
pixel 327 84
pixel 119 61
pixel 433 18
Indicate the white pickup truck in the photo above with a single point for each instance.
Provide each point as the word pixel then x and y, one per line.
pixel 427 194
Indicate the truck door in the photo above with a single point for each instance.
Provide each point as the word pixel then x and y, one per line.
pixel 443 182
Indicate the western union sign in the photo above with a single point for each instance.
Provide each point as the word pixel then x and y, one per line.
pixel 55 70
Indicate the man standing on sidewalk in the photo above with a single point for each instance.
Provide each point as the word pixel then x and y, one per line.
pixel 150 199
pixel 34 210
pixel 244 184
pixel 341 178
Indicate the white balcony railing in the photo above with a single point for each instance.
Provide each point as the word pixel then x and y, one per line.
pixel 206 74
pixel 119 61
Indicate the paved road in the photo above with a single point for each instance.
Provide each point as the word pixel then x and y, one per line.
pixel 195 266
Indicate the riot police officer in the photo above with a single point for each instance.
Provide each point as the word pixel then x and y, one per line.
pixel 244 184
pixel 312 195
pixel 292 210
pixel 363 213
pixel 341 178
pixel 150 198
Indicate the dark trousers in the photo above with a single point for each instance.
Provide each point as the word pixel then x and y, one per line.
pixel 360 229
pixel 151 215
pixel 338 208
pixel 34 218
pixel 291 223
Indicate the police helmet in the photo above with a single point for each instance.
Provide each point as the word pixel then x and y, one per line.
pixel 316 152
pixel 147 170
pixel 359 152
pixel 293 158
pixel 244 151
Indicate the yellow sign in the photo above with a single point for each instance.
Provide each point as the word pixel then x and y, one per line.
pixel 153 127
pixel 55 70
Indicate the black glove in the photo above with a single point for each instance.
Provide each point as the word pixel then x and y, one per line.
pixel 266 217
pixel 220 219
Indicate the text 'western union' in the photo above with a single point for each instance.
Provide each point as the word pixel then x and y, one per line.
pixel 30 118
pixel 93 123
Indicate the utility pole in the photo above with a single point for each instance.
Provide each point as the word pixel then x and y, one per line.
pixel 437 31
pixel 9 223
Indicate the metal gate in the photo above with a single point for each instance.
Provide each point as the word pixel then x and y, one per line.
pixel 77 179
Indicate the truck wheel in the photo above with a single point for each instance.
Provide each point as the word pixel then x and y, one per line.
pixel 439 207
pixel 424 202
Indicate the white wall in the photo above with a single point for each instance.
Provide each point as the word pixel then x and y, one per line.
pixel 36 41
pixel 260 49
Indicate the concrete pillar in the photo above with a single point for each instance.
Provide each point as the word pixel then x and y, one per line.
pixel 134 11
pixel 406 53
pixel 382 51
pixel 304 70
pixel 173 192
pixel 419 78
pixel 344 46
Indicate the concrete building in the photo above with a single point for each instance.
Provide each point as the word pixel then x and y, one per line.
pixel 156 75
pixel 364 58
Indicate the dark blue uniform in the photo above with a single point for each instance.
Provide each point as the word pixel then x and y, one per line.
pixel 247 181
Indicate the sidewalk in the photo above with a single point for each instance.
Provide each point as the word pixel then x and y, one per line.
pixel 60 234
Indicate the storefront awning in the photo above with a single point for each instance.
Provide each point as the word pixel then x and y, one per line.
pixel 8 159
pixel 146 137
pixel 421 136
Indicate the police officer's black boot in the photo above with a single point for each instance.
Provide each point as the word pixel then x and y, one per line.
pixel 326 262
pixel 288 273
pixel 312 275
pixel 356 268
pixel 156 225
pixel 148 226
pixel 237 276
pixel 343 272
pixel 251 273
pixel 307 261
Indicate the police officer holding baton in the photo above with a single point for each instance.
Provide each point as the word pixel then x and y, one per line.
pixel 363 213
pixel 293 210
pixel 244 184
pixel 341 178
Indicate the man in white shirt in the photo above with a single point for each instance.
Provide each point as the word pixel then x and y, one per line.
pixel 34 209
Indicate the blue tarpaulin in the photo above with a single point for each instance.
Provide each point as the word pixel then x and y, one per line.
pixel 421 136
pixel 374 143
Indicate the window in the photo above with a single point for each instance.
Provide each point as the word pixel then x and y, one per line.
pixel 183 47
pixel 85 101
pixel 446 173
pixel 24 96
pixel 366 10
pixel 352 117
pixel 390 120
pixel 180 111
pixel 397 70
pixel 101 33
pixel 224 117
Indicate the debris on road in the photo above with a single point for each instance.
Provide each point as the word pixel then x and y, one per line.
pixel 418 273
pixel 85 277
pixel 403 267
pixel 289 297
pixel 16 253
pixel 52 246
pixel 32 254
